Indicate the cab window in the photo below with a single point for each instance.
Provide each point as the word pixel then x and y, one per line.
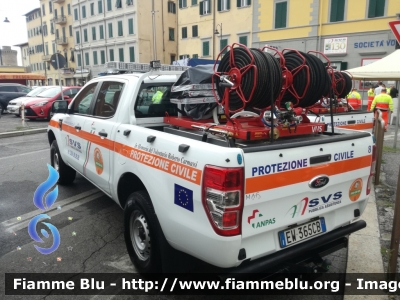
pixel 107 99
pixel 71 92
pixel 8 88
pixel 83 101
pixel 154 101
pixel 24 89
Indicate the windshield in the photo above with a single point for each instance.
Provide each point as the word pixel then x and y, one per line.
pixel 36 91
pixel 49 93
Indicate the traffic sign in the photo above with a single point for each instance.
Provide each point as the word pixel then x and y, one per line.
pixel 61 61
pixel 395 26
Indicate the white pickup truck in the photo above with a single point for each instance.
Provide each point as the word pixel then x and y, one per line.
pixel 242 206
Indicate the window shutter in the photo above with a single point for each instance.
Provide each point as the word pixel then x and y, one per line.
pixel 132 54
pixel 209 6
pixel 343 66
pixel 333 10
pixel 249 2
pixel 280 14
pixel 194 31
pixel 243 40
pixel 372 8
pixel 380 8
pixel 223 43
pixel 219 5
pixel 228 4
pixel 194 2
pixel 340 10
pixel 180 3
pixel 238 3
pixel 201 8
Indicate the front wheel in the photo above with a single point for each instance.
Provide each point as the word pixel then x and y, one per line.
pixel 143 234
pixel 65 172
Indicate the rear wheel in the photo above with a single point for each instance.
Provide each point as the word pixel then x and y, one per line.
pixel 66 173
pixel 143 234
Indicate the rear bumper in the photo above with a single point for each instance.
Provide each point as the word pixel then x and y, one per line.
pixel 301 253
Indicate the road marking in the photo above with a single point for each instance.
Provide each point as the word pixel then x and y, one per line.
pixel 13 224
pixel 19 155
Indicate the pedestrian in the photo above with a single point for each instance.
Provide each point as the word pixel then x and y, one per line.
pixel 378 89
pixel 354 99
pixel 384 103
pixel 394 92
pixel 371 95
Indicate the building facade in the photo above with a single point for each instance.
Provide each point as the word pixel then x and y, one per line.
pixel 49 32
pixel 206 27
pixel 8 57
pixel 35 45
pixel 119 30
pixel 24 55
pixel 350 33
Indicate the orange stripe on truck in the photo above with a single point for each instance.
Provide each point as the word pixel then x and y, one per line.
pixel 358 126
pixel 155 161
pixel 160 163
pixel 266 182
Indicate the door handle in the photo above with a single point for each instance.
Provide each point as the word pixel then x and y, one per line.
pixel 103 134
pixel 78 127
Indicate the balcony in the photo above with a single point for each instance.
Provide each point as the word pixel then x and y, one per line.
pixel 60 20
pixel 67 71
pixel 58 1
pixel 62 41
pixel 46 57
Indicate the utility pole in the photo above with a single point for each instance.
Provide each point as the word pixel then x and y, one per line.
pixel 153 12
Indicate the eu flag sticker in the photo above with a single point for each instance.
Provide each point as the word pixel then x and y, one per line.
pixel 183 197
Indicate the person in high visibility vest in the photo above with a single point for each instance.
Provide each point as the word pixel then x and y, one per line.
pixel 384 103
pixel 354 99
pixel 157 97
pixel 371 95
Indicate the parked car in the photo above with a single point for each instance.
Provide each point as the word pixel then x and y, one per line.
pixel 10 91
pixel 14 106
pixel 40 106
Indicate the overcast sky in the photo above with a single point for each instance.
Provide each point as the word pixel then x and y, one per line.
pixel 15 32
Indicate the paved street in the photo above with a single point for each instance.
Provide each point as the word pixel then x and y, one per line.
pixel 88 221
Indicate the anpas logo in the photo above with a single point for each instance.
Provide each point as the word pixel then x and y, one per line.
pixel 38 198
pixel 315 204
pixel 262 223
pixel 74 144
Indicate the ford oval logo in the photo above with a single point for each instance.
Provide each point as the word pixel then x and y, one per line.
pixel 318 182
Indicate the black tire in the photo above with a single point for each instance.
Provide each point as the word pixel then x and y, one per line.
pixel 66 173
pixel 143 234
pixel 2 109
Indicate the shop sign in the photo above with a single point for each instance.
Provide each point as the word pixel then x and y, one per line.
pixel 335 45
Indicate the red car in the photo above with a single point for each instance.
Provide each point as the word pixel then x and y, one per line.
pixel 40 106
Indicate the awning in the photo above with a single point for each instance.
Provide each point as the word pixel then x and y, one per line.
pixel 28 76
pixel 84 75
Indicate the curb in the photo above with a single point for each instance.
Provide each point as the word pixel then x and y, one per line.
pixel 364 250
pixel 22 132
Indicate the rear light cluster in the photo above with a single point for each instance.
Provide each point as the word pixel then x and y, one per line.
pixel 223 198
pixel 372 171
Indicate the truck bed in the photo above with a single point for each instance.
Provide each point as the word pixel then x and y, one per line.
pixel 280 143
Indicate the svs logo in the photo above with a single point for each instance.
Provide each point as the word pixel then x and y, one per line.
pixel 314 204
pixel 45 203
pixel 74 144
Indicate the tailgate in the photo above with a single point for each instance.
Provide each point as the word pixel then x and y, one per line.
pixel 292 186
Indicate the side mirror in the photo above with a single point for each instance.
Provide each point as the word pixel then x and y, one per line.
pixel 59 107
pixel 66 97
